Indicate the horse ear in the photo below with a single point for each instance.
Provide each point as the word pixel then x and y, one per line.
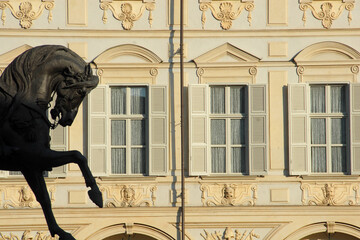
pixel 88 70
pixel 69 71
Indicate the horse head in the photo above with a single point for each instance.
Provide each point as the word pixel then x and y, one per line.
pixel 71 92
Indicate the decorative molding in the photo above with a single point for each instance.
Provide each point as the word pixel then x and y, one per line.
pixel 228 194
pixel 22 197
pixel 28 236
pixel 142 54
pixel 226 11
pixel 330 194
pixel 127 12
pixel 129 195
pixel 9 56
pixel 26 13
pixel 229 234
pixel 327 11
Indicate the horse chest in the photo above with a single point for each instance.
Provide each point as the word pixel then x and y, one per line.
pixel 27 127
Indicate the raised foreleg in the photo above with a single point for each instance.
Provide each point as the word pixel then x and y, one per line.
pixel 37 183
pixel 56 159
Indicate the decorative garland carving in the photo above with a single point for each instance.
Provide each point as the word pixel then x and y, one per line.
pixel 228 194
pixel 127 12
pixel 327 11
pixel 28 236
pixel 330 194
pixel 229 234
pixel 26 13
pixel 22 197
pixel 129 195
pixel 226 11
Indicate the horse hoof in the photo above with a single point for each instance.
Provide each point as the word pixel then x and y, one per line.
pixel 96 196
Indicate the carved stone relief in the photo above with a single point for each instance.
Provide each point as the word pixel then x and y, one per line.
pixel 129 195
pixel 229 234
pixel 127 12
pixel 27 12
pixel 226 11
pixel 27 235
pixel 327 11
pixel 228 194
pixel 22 197
pixel 330 194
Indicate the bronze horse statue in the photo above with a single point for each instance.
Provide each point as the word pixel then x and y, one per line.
pixel 27 86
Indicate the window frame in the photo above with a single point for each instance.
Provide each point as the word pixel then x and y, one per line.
pixel 128 117
pixel 328 115
pixel 257 134
pixel 299 123
pixel 228 117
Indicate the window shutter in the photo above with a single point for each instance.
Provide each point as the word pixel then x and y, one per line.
pixel 298 108
pixel 355 128
pixel 98 135
pixel 59 143
pixel 198 130
pixel 158 131
pixel 258 133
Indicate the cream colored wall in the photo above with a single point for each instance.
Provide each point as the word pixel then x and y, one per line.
pixel 279 203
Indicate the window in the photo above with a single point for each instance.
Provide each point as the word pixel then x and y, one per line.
pixel 128 129
pixel 228 129
pixel 324 134
pixel 328 121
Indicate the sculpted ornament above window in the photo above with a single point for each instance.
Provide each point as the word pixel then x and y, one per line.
pixel 327 11
pixel 27 10
pixel 127 12
pixel 229 234
pixel 27 235
pixel 226 11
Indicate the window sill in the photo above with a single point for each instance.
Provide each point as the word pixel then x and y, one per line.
pixel 128 178
pixel 330 177
pixel 229 177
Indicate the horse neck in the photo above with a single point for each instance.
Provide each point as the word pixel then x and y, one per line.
pixel 50 76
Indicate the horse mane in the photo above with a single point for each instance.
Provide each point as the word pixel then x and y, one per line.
pixel 17 77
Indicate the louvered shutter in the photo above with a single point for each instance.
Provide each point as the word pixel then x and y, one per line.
pixel 98 135
pixel 298 108
pixel 258 130
pixel 59 143
pixel 198 130
pixel 158 131
pixel 355 128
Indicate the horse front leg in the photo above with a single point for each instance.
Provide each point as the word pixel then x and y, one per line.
pixel 57 159
pixel 37 184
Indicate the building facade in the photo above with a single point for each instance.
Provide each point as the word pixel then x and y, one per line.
pixel 270 113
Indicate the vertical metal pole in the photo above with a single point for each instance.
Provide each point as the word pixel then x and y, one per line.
pixel 182 119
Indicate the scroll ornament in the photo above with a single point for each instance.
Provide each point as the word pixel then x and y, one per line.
pixel 327 11
pixel 228 194
pixel 226 11
pixel 22 197
pixel 330 194
pixel 127 12
pixel 130 195
pixel 27 12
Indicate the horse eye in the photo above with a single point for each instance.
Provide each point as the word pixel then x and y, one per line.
pixel 80 92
